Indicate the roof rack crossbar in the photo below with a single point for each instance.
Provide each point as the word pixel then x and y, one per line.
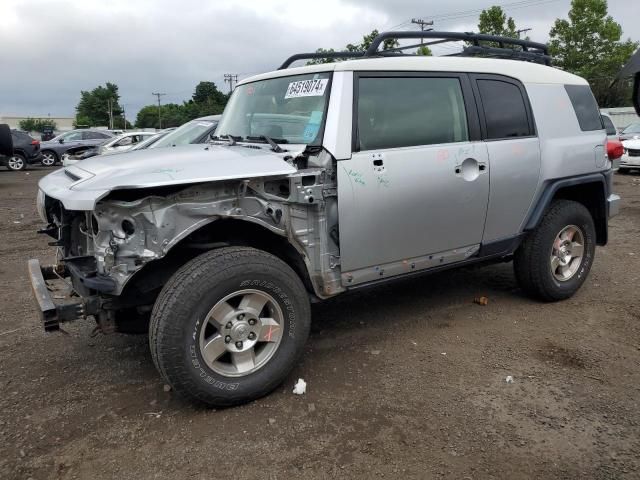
pixel 528 51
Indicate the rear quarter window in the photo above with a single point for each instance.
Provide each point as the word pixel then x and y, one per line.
pixel 585 106
pixel 505 110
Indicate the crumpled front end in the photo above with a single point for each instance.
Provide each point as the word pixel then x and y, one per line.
pixel 107 252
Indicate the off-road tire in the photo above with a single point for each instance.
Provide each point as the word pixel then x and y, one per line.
pixel 184 302
pixel 532 260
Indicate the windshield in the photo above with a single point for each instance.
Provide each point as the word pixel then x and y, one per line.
pixel 185 134
pixel 288 109
pixel 633 128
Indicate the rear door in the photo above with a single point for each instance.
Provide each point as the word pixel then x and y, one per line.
pixel 509 132
pixel 414 193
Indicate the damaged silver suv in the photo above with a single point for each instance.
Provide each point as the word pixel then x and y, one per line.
pixel 323 179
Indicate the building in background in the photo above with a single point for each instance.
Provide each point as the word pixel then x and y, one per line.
pixel 63 124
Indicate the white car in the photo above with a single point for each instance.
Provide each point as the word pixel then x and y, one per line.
pixel 631 157
pixel 124 142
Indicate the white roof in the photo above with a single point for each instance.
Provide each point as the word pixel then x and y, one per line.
pixel 526 72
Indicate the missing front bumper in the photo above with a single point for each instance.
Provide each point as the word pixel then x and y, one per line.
pixel 52 314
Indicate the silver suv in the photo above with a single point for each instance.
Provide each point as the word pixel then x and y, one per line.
pixel 322 179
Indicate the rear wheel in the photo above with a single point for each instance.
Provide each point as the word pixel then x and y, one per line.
pixel 49 158
pixel 16 162
pixel 554 260
pixel 229 326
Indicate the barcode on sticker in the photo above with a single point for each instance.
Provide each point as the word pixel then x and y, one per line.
pixel 307 88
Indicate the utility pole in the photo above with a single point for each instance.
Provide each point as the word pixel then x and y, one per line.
pixel 159 109
pixel 110 112
pixel 522 30
pixel 124 118
pixel 422 23
pixel 230 78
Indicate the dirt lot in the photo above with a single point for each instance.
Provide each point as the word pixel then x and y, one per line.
pixel 406 381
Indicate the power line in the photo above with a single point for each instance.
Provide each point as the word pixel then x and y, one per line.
pixel 422 23
pixel 159 109
pixel 455 15
pixel 230 78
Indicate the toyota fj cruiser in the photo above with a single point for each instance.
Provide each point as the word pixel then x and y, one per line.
pixel 326 178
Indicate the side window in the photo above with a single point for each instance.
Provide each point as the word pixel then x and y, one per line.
pixel 73 136
pixel 124 142
pixel 608 126
pixel 91 135
pixel 505 111
pixel 408 111
pixel 585 106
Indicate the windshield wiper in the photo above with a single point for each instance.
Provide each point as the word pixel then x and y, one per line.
pixel 274 146
pixel 229 138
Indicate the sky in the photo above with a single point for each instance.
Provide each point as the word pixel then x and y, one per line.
pixel 50 50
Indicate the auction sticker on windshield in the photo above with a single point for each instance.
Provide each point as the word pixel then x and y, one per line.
pixel 307 88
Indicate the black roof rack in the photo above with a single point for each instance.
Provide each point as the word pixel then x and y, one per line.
pixel 507 47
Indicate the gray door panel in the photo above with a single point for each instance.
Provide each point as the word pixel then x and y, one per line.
pixel 401 203
pixel 515 171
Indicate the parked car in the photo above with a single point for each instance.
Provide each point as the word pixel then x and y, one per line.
pixel 612 136
pixel 124 142
pixel 195 131
pixel 151 140
pixel 325 179
pixel 631 157
pixel 53 150
pixel 631 132
pixel 74 155
pixel 26 151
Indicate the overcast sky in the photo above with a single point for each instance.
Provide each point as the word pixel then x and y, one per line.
pixel 52 49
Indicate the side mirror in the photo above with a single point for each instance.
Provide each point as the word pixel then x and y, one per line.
pixel 6 141
pixel 61 140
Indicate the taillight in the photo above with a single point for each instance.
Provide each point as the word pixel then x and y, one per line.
pixel 614 149
pixel 35 142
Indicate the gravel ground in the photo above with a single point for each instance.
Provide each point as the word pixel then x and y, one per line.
pixel 405 381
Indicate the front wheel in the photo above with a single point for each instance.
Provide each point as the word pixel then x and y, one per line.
pixel 554 260
pixel 229 326
pixel 49 158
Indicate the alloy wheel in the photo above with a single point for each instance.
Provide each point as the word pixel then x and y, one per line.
pixel 241 333
pixel 16 162
pixel 567 253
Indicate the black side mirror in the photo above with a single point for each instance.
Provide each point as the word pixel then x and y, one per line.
pixel 6 141
pixel 61 140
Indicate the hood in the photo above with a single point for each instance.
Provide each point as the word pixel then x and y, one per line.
pixel 632 144
pixel 80 186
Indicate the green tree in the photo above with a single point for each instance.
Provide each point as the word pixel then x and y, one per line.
pixel 493 21
pixel 367 40
pixel 147 117
pixel 36 124
pixel 589 44
pixel 93 108
pixel 424 50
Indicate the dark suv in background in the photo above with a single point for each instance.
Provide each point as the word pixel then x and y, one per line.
pixel 26 151
pixel 53 150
